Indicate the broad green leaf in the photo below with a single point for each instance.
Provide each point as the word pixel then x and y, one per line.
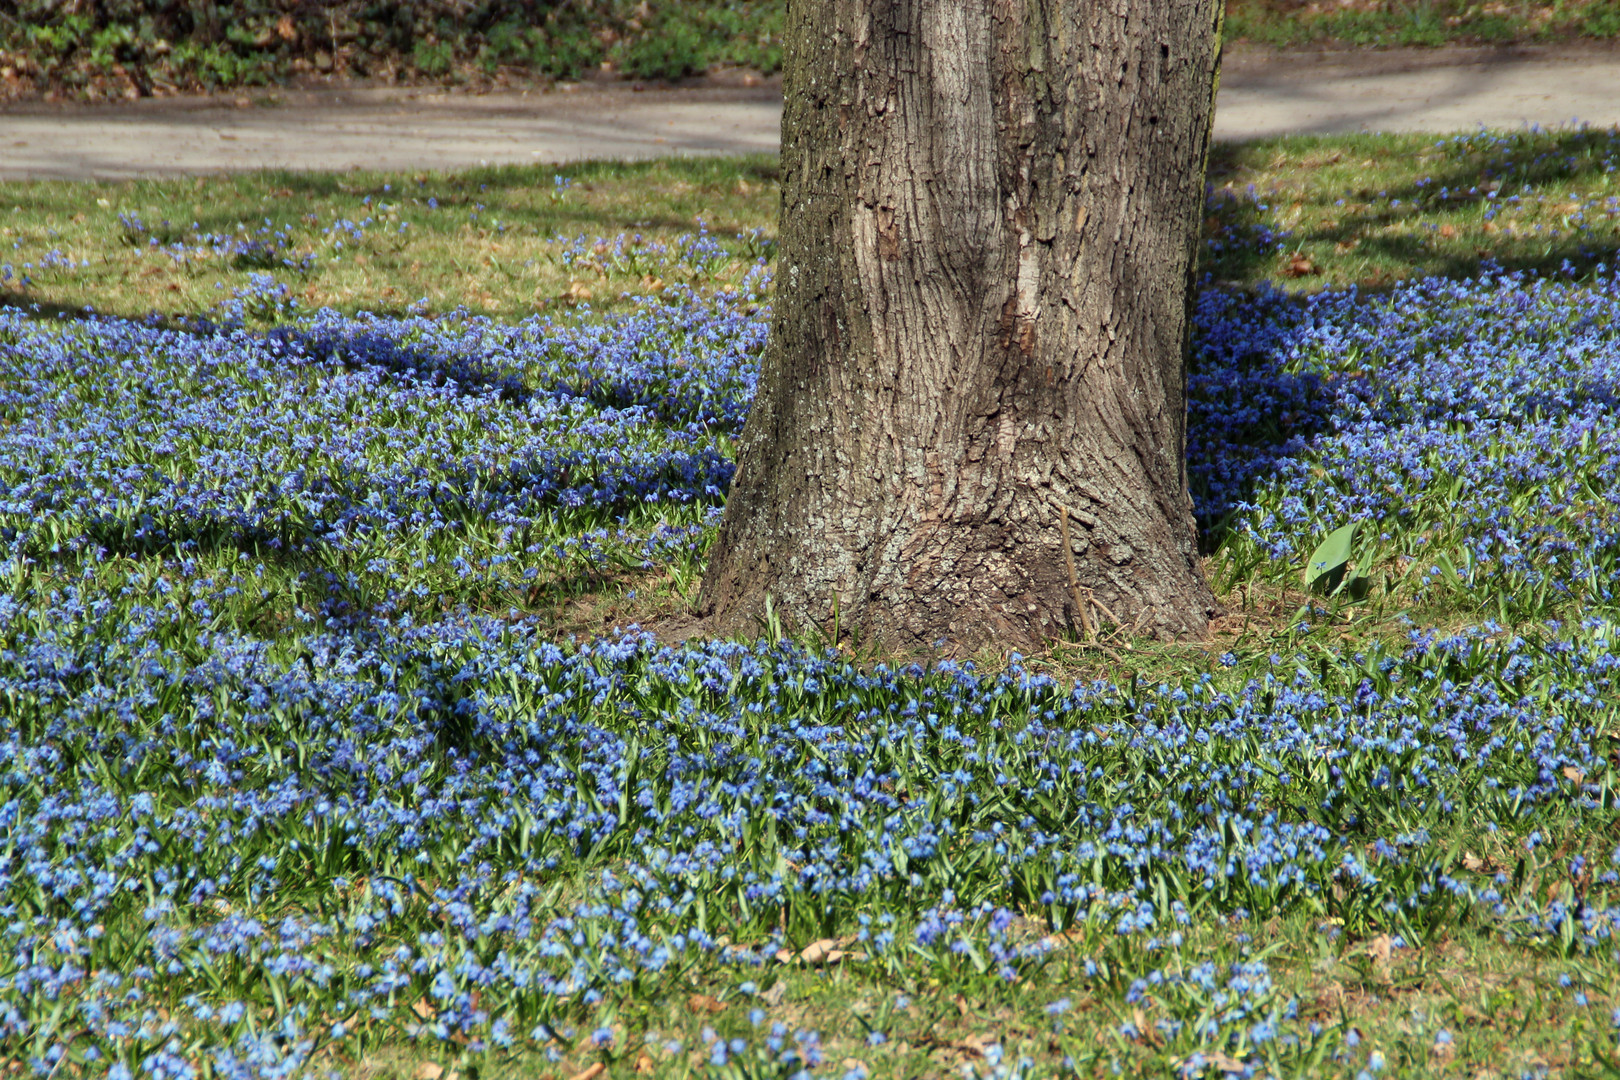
pixel 1325 568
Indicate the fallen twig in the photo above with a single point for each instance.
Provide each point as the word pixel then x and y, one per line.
pixel 1074 584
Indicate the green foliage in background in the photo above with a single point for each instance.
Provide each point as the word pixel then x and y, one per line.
pixel 1417 23
pixel 134 48
pixel 96 49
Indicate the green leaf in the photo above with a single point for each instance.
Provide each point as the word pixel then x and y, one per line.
pixel 1324 570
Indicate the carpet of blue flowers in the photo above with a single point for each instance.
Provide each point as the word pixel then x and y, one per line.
pixel 288 775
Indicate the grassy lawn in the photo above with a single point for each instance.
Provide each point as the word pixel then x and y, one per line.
pixel 1293 24
pixel 506 242
pixel 510 242
pixel 320 750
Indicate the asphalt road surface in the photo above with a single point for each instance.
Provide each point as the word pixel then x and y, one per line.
pixel 1438 91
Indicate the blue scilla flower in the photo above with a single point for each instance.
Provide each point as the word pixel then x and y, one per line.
pixel 432 772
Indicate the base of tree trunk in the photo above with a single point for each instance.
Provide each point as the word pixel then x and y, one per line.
pixel 989 219
pixel 1000 585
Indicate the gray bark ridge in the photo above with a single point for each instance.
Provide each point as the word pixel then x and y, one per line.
pixel 990 212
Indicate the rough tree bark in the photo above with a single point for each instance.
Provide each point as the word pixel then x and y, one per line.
pixel 989 217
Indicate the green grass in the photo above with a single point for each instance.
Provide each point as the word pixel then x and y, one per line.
pixel 1366 210
pixel 1383 24
pixel 1503 1006
pixel 486 239
pixel 1374 209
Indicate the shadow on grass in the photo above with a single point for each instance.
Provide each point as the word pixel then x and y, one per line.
pixel 1405 227
pixel 518 194
pixel 1236 426
pixel 1294 24
pixel 466 230
pixel 1552 257
pixel 1527 157
pixel 44 309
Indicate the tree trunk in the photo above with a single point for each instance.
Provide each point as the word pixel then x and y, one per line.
pixel 990 211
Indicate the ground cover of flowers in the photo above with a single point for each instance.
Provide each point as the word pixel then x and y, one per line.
pixel 295 778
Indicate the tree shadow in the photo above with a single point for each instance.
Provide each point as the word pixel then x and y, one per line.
pixel 507 190
pixel 1534 157
pixel 1245 410
pixel 1238 244
pixel 1448 220
pixel 44 309
pixel 1247 413
pixel 1485 171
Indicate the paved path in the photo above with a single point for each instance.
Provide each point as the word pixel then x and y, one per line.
pixel 1451 90
pixel 412 129
pixel 384 129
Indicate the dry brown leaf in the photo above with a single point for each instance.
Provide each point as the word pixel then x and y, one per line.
pixel 703 1003
pixel 1299 266
pixel 1145 1032
pixel 1225 1063
pixel 1448 231
pixel 976 1045
pixel 645 1064
pixel 424 1010
pixel 817 953
pixel 1472 862
pixel 428 1071
pixel 591 1073
pixel 821 952
pixel 1379 948
pixel 1065 938
pixel 1573 774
